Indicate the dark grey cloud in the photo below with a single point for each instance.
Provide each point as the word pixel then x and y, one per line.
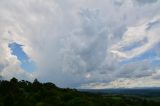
pixel 137 69
pixel 146 1
pixel 2 67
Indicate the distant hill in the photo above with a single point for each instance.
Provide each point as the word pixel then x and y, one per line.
pixel 144 92
pixel 25 93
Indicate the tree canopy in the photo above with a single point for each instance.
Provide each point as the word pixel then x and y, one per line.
pixel 25 93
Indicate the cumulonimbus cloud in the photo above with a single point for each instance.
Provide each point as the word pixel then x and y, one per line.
pixel 80 42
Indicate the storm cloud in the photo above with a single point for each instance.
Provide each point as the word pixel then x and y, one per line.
pixel 82 44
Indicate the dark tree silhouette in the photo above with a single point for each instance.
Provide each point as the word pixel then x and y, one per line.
pixel 25 93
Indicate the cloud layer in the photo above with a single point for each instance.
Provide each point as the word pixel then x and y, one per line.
pixel 83 44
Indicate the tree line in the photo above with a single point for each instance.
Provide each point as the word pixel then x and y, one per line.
pixel 25 93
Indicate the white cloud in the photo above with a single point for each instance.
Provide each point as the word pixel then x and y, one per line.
pixel 137 40
pixel 9 64
pixel 124 83
pixel 77 42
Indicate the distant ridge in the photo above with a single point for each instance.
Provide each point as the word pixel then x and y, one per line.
pixel 138 91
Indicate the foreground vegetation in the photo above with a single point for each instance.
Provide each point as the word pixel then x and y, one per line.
pixel 25 93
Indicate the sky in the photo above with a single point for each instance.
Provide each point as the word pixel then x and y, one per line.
pixel 91 44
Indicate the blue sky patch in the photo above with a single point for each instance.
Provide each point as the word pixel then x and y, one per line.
pixel 26 63
pixel 149 55
pixel 135 45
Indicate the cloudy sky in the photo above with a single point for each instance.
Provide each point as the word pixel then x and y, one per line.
pixel 81 43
